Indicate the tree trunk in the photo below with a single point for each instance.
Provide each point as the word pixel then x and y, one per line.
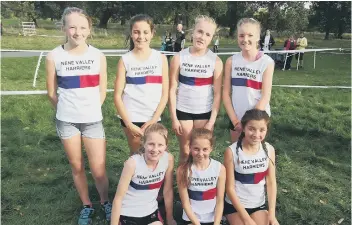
pixel 123 21
pixel 327 32
pixel 232 30
pixel 35 22
pixel 340 30
pixel 103 23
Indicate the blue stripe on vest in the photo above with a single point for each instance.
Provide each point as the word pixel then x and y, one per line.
pixel 186 80
pixel 239 82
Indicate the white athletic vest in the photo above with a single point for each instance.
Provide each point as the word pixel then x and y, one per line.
pixel 202 192
pixel 143 87
pixel 250 176
pixel 195 90
pixel 78 85
pixel 140 199
pixel 246 81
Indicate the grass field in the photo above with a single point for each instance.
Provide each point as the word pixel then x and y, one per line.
pixel 311 131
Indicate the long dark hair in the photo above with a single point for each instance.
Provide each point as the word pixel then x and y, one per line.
pixel 186 171
pixel 253 114
pixel 138 18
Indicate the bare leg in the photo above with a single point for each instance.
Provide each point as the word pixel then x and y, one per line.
pixel 234 219
pixel 73 151
pixel 134 143
pixel 187 126
pixel 260 217
pixel 96 151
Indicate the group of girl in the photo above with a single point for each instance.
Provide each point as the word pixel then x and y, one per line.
pixel 77 82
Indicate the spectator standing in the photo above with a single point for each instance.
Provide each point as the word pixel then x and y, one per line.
pixel 180 39
pixel 267 41
pixel 302 43
pixel 290 44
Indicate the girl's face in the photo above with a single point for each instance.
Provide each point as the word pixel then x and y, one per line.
pixel 77 29
pixel 141 34
pixel 155 146
pixel 255 131
pixel 200 149
pixel 203 34
pixel 248 36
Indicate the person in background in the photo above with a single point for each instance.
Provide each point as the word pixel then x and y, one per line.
pixel 302 43
pixel 180 39
pixel 290 44
pixel 163 42
pixel 216 44
pixel 267 41
pixel 169 45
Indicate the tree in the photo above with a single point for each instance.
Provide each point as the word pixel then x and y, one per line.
pixel 24 10
pixel 235 11
pixel 331 16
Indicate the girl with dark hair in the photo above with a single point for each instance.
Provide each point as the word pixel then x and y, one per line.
pixel 142 82
pixel 250 166
pixel 201 182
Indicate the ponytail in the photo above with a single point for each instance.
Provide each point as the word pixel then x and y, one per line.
pixel 239 145
pixel 266 152
pixel 186 172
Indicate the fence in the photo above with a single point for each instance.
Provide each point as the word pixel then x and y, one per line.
pixel 28 28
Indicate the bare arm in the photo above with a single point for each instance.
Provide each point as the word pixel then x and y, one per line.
pixel 230 185
pixel 186 205
pixel 125 179
pixel 220 196
pixel 164 96
pixel 217 92
pixel 271 183
pixel 51 80
pixel 266 87
pixel 103 78
pixel 226 93
pixel 168 191
pixel 174 72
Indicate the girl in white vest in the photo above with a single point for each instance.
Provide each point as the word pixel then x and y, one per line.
pixel 201 182
pixel 248 77
pixel 250 166
pixel 195 85
pixel 77 72
pixel 142 82
pixel 141 178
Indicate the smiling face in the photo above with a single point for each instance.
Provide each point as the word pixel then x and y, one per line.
pixel 155 146
pixel 200 149
pixel 255 131
pixel 248 35
pixel 76 28
pixel 203 34
pixel 141 34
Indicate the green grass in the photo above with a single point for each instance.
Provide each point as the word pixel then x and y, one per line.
pixel 310 131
